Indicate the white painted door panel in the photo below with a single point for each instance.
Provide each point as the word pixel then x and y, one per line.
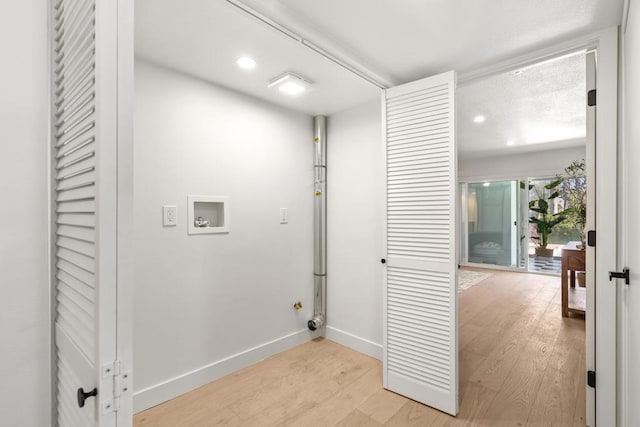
pixel 590 316
pixel 630 230
pixel 420 299
pixel 85 214
pixel 606 225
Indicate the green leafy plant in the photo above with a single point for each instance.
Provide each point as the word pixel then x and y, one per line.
pixel 542 205
pixel 574 192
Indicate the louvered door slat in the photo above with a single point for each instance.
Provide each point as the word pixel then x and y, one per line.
pixel 70 149
pixel 67 156
pixel 417 110
pixel 75 293
pixel 420 357
pixel 87 177
pixel 67 380
pixel 66 170
pixel 413 97
pixel 75 161
pixel 69 96
pixel 80 233
pixel 85 277
pixel 91 74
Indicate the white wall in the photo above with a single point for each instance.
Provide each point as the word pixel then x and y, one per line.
pixel 354 228
pixel 355 218
pixel 535 164
pixel 201 299
pixel 629 337
pixel 24 306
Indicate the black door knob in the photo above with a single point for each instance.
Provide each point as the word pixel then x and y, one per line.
pixel 383 260
pixel 84 395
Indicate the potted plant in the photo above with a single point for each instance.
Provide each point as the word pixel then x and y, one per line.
pixel 574 192
pixel 544 218
pixel 574 189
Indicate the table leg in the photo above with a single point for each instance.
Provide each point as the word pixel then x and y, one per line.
pixel 572 282
pixel 565 294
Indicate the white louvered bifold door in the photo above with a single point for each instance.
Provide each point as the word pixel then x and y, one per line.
pixel 84 139
pixel 420 319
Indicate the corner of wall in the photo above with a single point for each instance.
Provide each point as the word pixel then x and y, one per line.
pixel 354 342
pixel 174 387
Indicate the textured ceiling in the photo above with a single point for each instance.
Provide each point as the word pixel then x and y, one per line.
pixel 538 108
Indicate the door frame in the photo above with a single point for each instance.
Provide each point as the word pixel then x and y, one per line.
pixel 626 243
pixel 605 43
pixel 125 230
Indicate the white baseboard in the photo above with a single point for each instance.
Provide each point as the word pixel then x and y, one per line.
pixel 354 342
pixel 167 390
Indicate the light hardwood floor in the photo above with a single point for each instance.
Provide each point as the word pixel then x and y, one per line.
pixel 521 364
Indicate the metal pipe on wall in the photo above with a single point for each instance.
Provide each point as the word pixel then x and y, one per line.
pixel 320 224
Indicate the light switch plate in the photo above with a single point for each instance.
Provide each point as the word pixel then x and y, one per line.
pixel 284 215
pixel 169 216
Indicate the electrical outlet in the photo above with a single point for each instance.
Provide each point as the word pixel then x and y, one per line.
pixel 284 215
pixel 169 216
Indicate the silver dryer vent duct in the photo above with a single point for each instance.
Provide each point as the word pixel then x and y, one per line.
pixel 320 225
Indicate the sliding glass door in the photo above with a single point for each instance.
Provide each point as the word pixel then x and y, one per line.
pixel 490 223
pixel 523 225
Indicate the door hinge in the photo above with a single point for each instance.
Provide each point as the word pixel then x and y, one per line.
pixel 591 238
pixel 591 379
pixel 591 98
pixel 120 379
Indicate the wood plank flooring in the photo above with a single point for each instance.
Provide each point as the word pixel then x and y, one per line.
pixel 521 364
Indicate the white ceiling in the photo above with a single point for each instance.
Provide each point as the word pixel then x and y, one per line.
pixel 396 41
pixel 539 108
pixel 205 37
pixel 408 39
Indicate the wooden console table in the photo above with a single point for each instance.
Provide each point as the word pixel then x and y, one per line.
pixel 574 299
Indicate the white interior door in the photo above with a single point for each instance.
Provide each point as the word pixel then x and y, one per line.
pixel 85 138
pixel 420 298
pixel 629 371
pixel 590 264
pixel 602 296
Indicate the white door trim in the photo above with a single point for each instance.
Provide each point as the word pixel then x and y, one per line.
pixel 586 42
pixel 606 227
pixel 590 160
pixel 606 44
pixel 125 88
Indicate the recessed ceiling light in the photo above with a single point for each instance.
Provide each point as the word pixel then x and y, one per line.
pixel 291 84
pixel 246 62
pixel 511 143
pixel 479 119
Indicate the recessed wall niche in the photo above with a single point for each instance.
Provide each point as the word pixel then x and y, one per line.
pixel 208 214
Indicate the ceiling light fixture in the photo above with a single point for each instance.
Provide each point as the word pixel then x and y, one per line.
pixel 486 184
pixel 479 119
pixel 291 84
pixel 511 143
pixel 246 63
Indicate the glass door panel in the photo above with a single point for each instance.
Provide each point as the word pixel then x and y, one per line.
pixel 491 222
pixel 523 224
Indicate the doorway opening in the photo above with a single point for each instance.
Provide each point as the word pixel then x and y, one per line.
pixel 523 140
